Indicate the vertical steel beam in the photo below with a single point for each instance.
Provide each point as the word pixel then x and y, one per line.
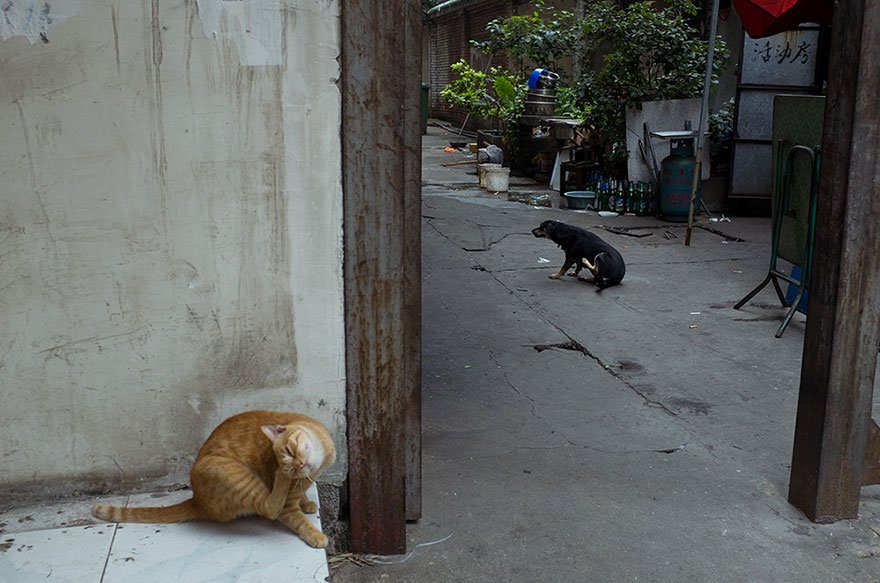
pixel 840 347
pixel 379 120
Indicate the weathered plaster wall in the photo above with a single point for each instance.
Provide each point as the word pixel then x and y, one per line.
pixel 170 231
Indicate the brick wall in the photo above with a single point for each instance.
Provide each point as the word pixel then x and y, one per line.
pixel 450 30
pixel 449 33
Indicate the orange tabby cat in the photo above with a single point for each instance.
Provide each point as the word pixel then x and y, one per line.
pixel 259 462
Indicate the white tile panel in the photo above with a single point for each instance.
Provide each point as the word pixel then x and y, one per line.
pixel 74 555
pixel 248 551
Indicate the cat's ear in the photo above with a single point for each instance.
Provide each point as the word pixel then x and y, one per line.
pixel 273 431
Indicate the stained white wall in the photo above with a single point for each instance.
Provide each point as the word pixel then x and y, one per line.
pixel 170 231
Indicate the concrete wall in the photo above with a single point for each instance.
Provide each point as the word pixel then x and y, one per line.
pixel 170 231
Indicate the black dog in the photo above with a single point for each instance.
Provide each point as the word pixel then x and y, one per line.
pixel 584 249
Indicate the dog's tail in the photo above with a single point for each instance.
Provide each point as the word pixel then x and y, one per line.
pixel 601 282
pixel 611 274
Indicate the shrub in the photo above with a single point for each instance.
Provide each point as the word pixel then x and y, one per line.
pixel 626 55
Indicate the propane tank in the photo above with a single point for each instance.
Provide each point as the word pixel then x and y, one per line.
pixel 677 176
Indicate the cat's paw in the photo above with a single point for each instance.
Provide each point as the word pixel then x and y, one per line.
pixel 316 539
pixel 287 470
pixel 554 276
pixel 309 507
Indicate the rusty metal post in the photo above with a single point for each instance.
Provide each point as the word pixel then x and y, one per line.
pixel 380 83
pixel 840 348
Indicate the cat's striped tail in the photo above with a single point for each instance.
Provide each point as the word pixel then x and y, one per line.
pixel 180 512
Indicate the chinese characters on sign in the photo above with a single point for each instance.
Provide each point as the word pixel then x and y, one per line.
pixel 785 63
pixel 787 58
pixel 782 53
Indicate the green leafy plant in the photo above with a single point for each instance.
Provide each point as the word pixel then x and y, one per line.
pixel 494 95
pixel 721 134
pixel 626 55
pixel 569 104
pixel 505 91
pixel 542 38
pixel 646 54
pixel 721 123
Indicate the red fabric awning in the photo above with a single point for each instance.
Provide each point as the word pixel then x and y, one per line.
pixel 767 17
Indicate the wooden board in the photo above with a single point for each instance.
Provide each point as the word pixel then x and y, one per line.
pixel 840 347
pixel 380 81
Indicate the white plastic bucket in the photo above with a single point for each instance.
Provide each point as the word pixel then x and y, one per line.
pixel 481 171
pixel 497 179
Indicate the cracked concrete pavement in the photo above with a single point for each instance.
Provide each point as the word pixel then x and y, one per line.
pixel 638 434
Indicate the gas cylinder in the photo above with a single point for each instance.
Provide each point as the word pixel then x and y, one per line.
pixel 677 175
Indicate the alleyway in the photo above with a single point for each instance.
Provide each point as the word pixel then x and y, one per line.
pixel 639 434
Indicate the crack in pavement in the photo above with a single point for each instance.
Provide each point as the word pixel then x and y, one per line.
pixel 480 226
pixel 626 231
pixel 576 346
pixel 583 350
pixel 572 344
pixel 572 444
pixel 451 186
pixel 628 263
pixel 520 394
pixel 489 246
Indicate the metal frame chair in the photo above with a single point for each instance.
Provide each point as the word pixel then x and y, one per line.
pixel 783 191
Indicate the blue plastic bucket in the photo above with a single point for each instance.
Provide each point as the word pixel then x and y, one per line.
pixel 533 78
pixel 543 79
pixel 581 199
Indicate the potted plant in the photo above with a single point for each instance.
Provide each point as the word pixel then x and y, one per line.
pixel 721 137
pixel 625 55
pixel 493 96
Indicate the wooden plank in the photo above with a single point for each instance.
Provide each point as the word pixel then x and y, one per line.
pixel 375 175
pixel 840 346
pixel 871 473
pixel 413 259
